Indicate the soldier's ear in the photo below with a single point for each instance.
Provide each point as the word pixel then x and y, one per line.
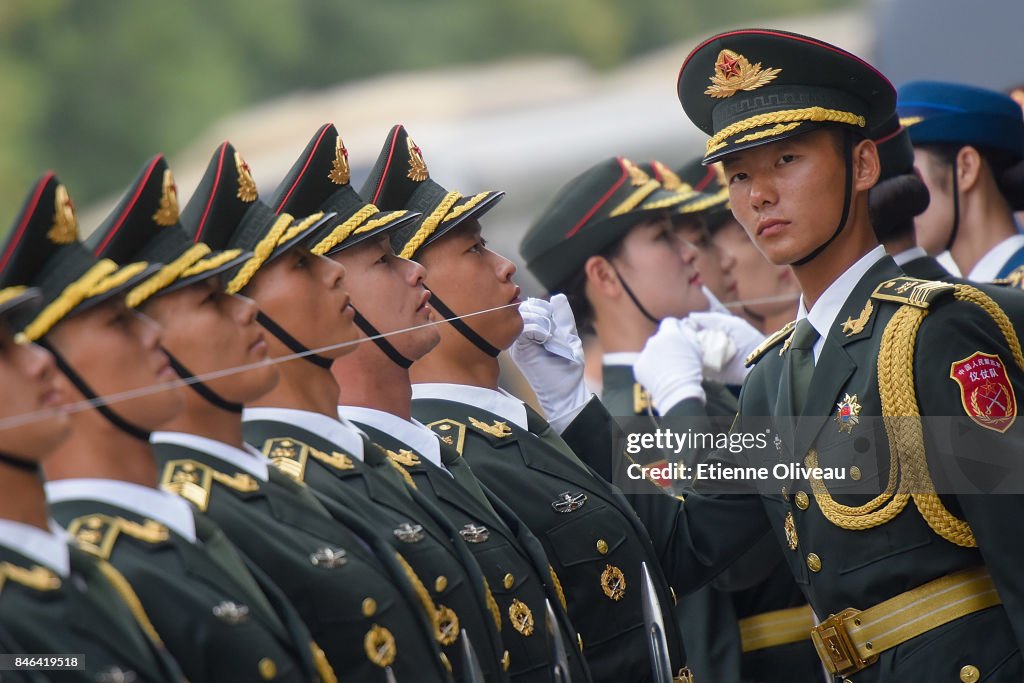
pixel 866 165
pixel 969 163
pixel 601 276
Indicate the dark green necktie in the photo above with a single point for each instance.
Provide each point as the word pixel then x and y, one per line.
pixel 801 363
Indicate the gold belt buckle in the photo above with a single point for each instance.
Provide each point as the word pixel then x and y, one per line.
pixel 835 647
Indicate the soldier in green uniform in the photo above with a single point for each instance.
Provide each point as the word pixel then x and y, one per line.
pixel 376 396
pixel 54 598
pixel 624 273
pixel 914 579
pixel 294 423
pixel 594 540
pixel 350 588
pixel 222 619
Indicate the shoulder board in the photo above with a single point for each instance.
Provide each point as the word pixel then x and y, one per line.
pixel 189 479
pixel 911 291
pixel 37 578
pixel 773 339
pixel 287 455
pixel 451 432
pixel 97 534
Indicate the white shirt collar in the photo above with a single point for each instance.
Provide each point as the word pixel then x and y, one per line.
pixel 413 434
pixel 908 255
pixel 43 547
pixel 988 267
pixel 946 259
pixel 620 358
pixel 338 431
pixel 168 509
pixel 824 311
pixel 497 401
pixel 247 458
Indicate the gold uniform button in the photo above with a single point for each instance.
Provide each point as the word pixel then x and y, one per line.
pixel 855 473
pixel 268 670
pixel 802 500
pixel 970 674
pixel 814 562
pixel 369 607
pixel 602 546
pixel 509 580
pixel 506 661
pixel 440 584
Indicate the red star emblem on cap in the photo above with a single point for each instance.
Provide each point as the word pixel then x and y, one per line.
pixel 730 66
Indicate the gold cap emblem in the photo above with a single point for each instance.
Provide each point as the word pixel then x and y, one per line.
pixel 734 72
pixel 167 214
pixel 246 185
pixel 340 172
pixel 417 167
pixel 65 226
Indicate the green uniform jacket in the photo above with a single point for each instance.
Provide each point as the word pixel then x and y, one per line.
pixel 512 559
pixel 595 545
pixel 709 617
pixel 82 615
pixel 838 568
pixel 425 537
pixel 193 601
pixel 360 608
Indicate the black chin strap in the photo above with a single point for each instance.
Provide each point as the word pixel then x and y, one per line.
pixel 89 394
pixel 206 392
pixel 753 316
pixel 632 296
pixel 956 209
pixel 463 329
pixel 383 344
pixel 291 342
pixel 19 464
pixel 847 197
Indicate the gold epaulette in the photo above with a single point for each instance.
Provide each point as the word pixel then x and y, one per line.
pixel 97 534
pixel 912 291
pixel 768 343
pixel 452 432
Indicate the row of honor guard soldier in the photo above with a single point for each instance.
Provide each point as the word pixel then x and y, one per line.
pixel 362 540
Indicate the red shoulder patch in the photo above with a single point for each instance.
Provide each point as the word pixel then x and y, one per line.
pixel 985 390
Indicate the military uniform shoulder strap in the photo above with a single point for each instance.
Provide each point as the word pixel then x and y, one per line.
pixel 97 534
pixel 911 291
pixel 773 339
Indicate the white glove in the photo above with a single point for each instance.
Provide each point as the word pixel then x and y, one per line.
pixel 549 353
pixel 724 357
pixel 670 365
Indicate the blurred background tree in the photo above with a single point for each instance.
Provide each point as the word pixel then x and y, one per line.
pixel 93 88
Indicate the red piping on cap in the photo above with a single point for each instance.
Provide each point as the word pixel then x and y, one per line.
pixel 604 198
pixel 709 175
pixel 762 32
pixel 391 154
pixel 128 209
pixel 309 159
pixel 26 218
pixel 890 136
pixel 213 193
